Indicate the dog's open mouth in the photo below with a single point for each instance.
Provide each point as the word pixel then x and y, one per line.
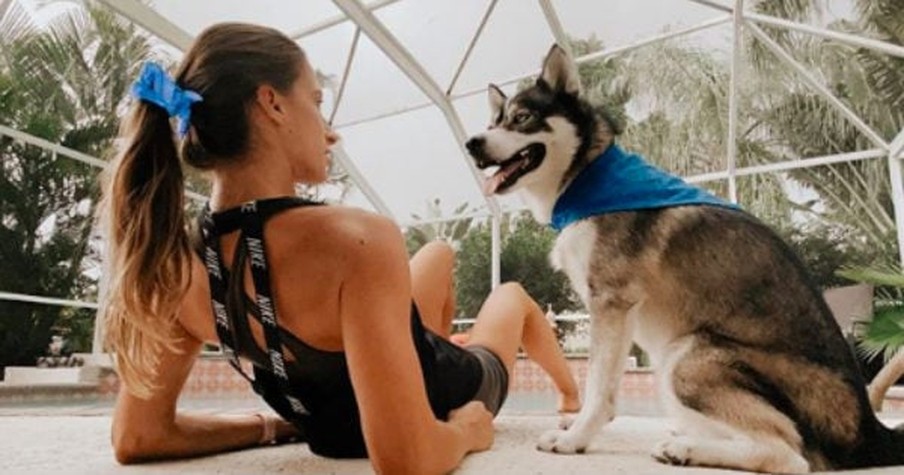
pixel 523 161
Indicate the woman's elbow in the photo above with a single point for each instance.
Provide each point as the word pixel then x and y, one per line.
pixel 411 466
pixel 126 457
pixel 423 460
pixel 126 453
pixel 130 449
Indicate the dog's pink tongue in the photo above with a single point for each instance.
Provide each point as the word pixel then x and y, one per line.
pixel 491 183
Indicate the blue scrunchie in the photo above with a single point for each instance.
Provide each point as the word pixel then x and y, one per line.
pixel 154 85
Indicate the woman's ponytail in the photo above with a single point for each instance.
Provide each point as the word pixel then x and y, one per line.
pixel 148 253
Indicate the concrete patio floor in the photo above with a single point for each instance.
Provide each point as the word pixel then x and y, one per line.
pixel 53 443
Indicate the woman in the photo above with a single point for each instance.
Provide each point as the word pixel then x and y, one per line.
pixel 321 297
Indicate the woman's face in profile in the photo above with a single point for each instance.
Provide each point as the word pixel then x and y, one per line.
pixel 309 137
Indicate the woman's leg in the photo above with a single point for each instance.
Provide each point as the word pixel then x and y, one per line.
pixel 510 319
pixel 432 286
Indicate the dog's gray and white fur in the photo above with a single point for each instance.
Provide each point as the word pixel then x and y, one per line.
pixel 752 365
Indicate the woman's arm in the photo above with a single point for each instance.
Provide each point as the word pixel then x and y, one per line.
pixel 147 429
pixel 402 434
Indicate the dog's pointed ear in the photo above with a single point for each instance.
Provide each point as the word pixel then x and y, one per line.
pixel 497 102
pixel 560 72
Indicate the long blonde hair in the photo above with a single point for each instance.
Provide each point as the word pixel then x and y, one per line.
pixel 148 261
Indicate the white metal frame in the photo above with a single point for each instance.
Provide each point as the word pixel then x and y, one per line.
pixel 555 26
pixel 470 48
pixel 606 53
pixel 356 37
pixel 17 297
pixel 736 51
pixel 895 155
pixel 398 54
pixel 854 40
pixel 155 23
pixel 790 165
pixel 392 48
pixel 749 20
pixel 58 149
pixel 817 86
pixel 336 20
pixel 366 21
pixel 339 153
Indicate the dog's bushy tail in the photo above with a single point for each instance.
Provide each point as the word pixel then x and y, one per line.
pixel 897 445
pixel 887 449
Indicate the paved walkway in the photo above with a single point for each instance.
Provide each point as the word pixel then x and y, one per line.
pixel 67 444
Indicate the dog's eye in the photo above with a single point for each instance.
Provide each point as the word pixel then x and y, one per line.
pixel 521 117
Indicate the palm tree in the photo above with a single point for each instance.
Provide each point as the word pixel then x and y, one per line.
pixel 799 123
pixel 64 82
pixel 686 132
pixel 781 118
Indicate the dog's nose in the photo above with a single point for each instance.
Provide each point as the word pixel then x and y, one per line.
pixel 475 144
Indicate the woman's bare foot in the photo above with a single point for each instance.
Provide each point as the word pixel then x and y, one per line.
pixel 569 403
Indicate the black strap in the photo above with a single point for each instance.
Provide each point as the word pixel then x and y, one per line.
pixel 215 276
pixel 253 235
pixel 250 218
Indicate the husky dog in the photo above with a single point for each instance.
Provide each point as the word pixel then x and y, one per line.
pixel 751 364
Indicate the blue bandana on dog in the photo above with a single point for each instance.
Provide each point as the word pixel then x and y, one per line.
pixel 619 181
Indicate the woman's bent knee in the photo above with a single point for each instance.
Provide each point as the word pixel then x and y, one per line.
pixel 436 255
pixel 511 288
pixel 439 249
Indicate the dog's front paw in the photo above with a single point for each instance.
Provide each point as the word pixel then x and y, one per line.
pixel 673 452
pixel 565 421
pixel 561 442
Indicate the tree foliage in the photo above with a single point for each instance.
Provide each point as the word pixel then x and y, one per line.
pixel 524 259
pixel 795 122
pixel 65 83
pixel 826 250
pixel 781 119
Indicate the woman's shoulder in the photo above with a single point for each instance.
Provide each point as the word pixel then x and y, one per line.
pixel 333 226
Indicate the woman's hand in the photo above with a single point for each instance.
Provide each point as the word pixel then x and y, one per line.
pixel 476 422
pixel 287 432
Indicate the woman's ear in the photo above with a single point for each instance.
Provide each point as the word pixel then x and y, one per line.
pixel 270 102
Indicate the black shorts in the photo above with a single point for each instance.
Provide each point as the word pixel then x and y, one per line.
pixel 455 375
pixel 495 381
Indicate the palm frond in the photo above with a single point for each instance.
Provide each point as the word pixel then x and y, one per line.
pixel 686 91
pixel 790 9
pixel 883 17
pixel 886 77
pixel 885 333
pixel 77 70
pixel 797 10
pixel 879 275
pixel 15 25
